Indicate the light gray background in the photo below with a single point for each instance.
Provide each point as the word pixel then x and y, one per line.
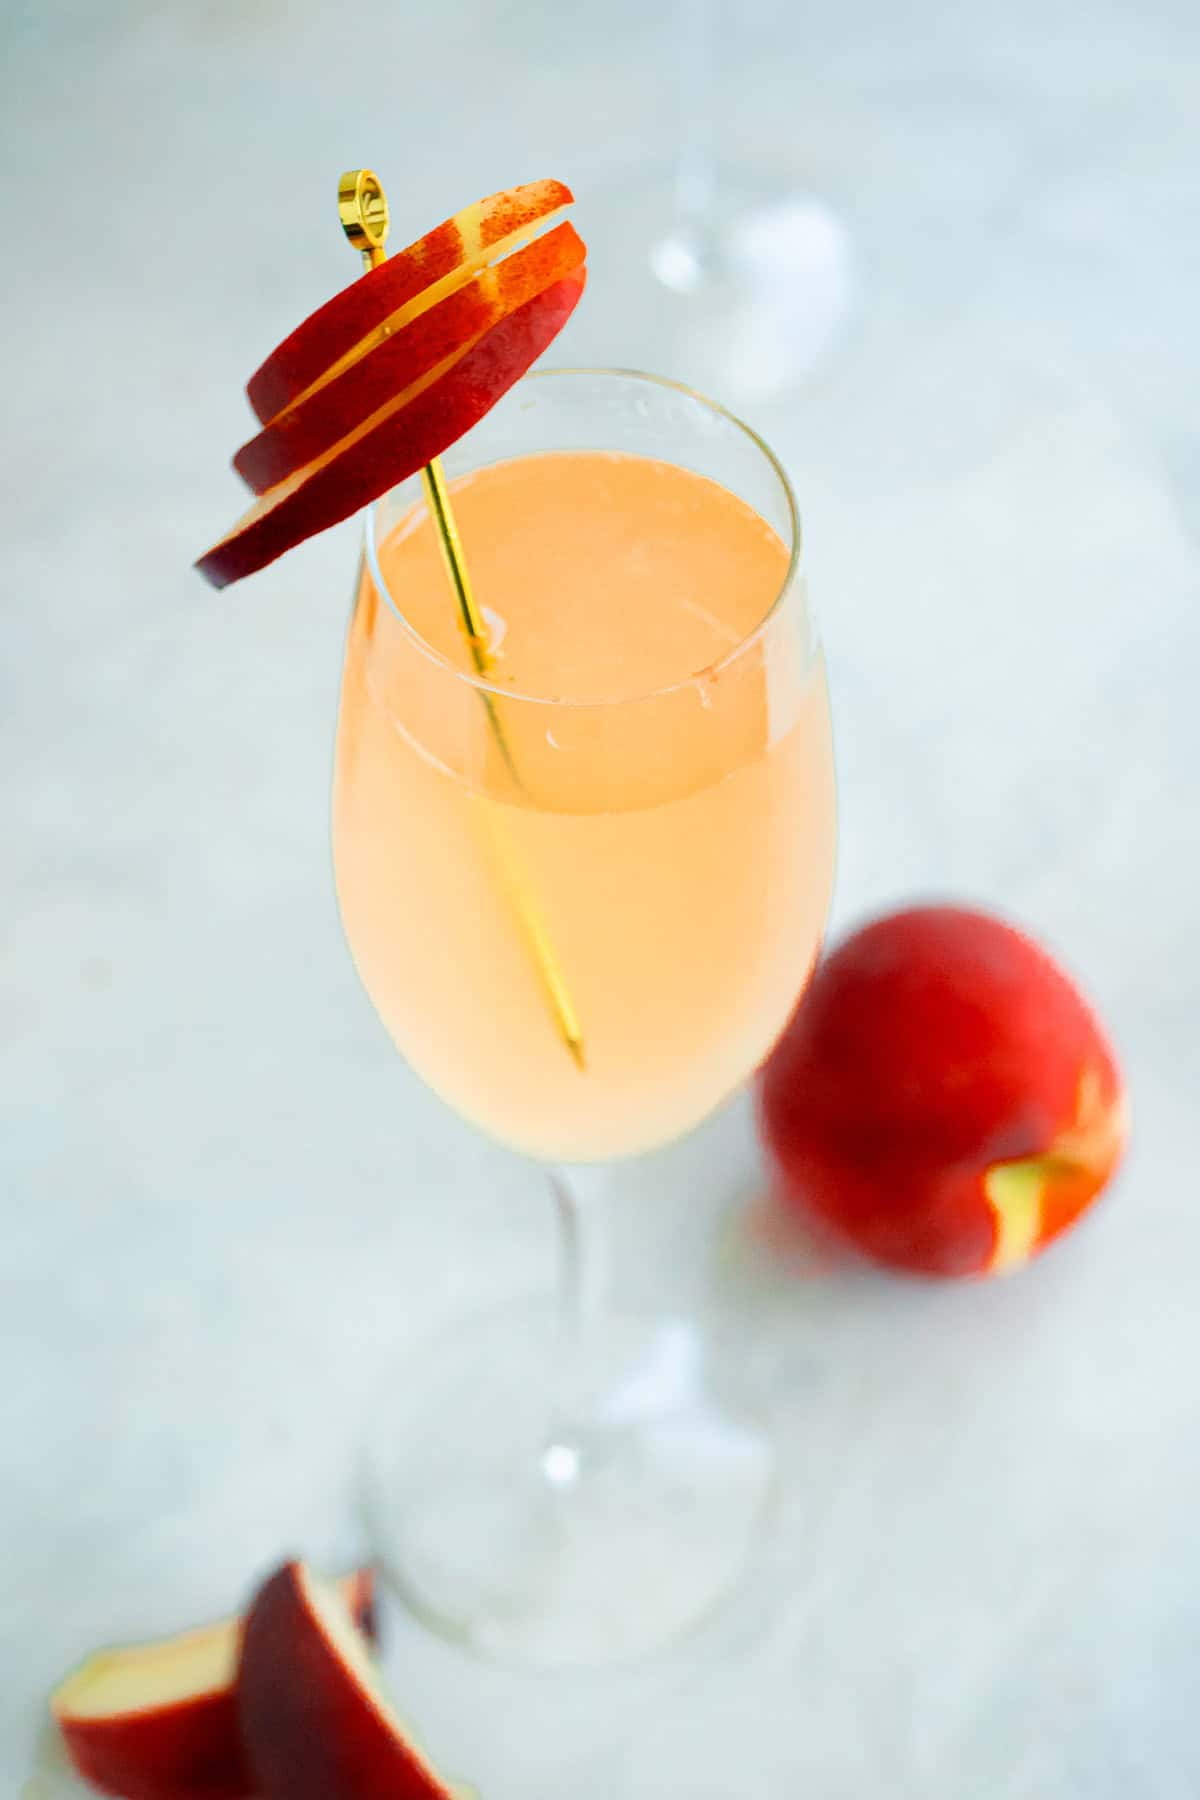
pixel 225 1204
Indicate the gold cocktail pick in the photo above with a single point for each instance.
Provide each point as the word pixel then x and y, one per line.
pixel 363 210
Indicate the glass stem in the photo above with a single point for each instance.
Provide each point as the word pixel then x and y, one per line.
pixel 694 34
pixel 578 1193
pixel 684 258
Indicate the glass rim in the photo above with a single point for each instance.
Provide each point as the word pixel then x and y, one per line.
pixel 698 677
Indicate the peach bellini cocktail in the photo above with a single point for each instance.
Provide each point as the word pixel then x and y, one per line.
pixel 662 798
pixel 584 886
pixel 583 828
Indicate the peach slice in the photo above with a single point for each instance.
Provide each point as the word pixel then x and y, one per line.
pixel 382 301
pixel 944 1099
pixel 314 1721
pixel 159 1721
pixel 406 432
pixel 332 410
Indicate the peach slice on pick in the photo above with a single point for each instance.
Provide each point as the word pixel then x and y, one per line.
pixel 406 431
pixel 158 1721
pixel 382 301
pixel 332 410
pixel 314 1721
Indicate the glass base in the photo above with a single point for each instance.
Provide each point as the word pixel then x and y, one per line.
pixel 565 1548
pixel 744 296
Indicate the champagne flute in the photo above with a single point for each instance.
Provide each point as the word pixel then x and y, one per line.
pixel 583 886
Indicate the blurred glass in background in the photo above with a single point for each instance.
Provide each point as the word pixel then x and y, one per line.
pixel 748 279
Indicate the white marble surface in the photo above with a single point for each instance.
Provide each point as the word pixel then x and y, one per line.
pixel 224 1202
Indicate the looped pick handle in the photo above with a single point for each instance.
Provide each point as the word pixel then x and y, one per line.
pixel 363 210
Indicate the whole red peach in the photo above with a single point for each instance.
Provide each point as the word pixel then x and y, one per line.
pixel 944 1099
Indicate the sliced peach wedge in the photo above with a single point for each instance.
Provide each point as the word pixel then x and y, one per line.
pixel 406 431
pixel 159 1721
pixel 315 1723
pixel 397 362
pixel 389 373
pixel 384 300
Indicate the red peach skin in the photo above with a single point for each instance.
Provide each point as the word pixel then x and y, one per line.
pixel 304 432
pixel 314 1722
pixel 475 235
pixel 159 1721
pixel 411 431
pixel 944 1099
